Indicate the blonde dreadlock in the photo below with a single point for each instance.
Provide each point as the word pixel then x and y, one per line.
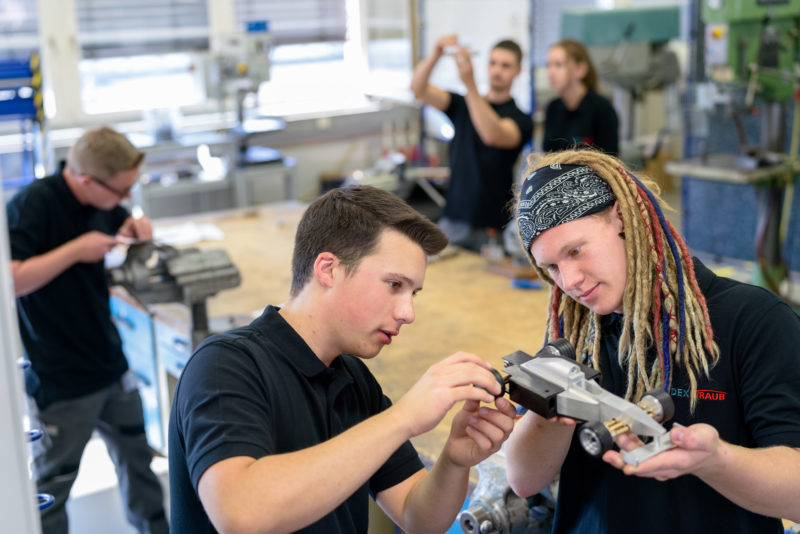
pixel 662 303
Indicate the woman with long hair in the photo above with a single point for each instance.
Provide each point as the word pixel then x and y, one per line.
pixel 579 117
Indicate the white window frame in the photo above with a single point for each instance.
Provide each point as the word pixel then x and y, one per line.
pixel 61 54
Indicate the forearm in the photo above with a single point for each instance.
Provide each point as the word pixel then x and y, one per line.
pixel 534 453
pixel 422 73
pixel 283 493
pixel 37 271
pixel 765 481
pixel 487 122
pixel 435 501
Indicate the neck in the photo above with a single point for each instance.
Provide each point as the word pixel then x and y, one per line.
pixel 573 95
pixel 498 96
pixel 72 183
pixel 306 316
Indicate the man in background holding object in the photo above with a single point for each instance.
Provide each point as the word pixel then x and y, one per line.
pixel 490 132
pixel 60 229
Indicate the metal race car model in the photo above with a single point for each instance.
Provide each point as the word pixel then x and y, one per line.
pixel 552 383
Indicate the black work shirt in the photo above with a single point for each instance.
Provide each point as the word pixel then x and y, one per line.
pixel 593 123
pixel 65 325
pixel 482 177
pixel 260 390
pixel 752 398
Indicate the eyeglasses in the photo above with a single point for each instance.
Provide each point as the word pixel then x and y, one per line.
pixel 121 193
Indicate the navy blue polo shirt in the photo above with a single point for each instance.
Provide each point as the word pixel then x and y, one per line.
pixel 65 325
pixel 260 390
pixel 481 184
pixel 593 123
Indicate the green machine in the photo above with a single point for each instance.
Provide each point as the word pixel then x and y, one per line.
pixel 751 50
pixel 604 27
pixel 753 43
pixel 629 47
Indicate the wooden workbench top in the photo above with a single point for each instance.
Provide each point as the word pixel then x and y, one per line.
pixel 462 306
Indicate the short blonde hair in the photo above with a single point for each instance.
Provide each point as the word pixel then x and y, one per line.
pixel 103 152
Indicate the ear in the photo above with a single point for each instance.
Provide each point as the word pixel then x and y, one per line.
pixel 326 268
pixel 617 220
pixel 581 69
pixel 79 179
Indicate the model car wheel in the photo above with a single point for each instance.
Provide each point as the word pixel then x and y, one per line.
pixel 564 348
pixel 664 407
pixel 595 438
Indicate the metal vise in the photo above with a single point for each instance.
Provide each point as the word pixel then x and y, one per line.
pixel 155 273
pixel 161 273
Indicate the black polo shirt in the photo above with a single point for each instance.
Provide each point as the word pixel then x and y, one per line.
pixel 593 123
pixel 260 390
pixel 65 325
pixel 752 398
pixel 482 177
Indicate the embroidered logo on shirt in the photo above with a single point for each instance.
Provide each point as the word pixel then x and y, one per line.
pixel 711 394
pixel 702 394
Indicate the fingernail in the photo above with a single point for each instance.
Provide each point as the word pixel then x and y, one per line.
pixel 473 420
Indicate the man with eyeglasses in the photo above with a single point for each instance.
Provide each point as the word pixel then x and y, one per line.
pixel 60 229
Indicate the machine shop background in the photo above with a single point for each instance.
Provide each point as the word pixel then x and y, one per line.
pixel 246 104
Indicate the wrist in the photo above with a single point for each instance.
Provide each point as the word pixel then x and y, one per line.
pixel 398 422
pixel 71 249
pixel 719 460
pixel 447 459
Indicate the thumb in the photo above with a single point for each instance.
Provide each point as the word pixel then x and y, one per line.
pixel 679 436
pixel 471 406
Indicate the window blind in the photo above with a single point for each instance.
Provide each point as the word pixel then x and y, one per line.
pixel 295 21
pixel 130 27
pixel 19 28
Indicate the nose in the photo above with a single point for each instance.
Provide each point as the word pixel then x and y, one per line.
pixel 404 311
pixel 571 277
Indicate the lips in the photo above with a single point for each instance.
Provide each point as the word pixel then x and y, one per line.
pixel 589 294
pixel 387 336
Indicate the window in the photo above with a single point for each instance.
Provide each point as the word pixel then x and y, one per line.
pixel 141 82
pixel 140 54
pixel 296 21
pixel 114 28
pixel 19 28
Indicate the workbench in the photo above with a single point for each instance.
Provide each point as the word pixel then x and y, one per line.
pixel 461 307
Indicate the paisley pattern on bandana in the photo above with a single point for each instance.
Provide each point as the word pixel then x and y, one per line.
pixel 558 194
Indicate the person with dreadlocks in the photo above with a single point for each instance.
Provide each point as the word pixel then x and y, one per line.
pixel 636 306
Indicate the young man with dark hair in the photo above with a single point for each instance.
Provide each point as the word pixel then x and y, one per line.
pixel 280 427
pixel 60 229
pixel 490 132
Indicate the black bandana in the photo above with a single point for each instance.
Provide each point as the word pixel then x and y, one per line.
pixel 559 194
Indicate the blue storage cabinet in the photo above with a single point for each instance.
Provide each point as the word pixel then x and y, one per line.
pixel 135 326
pixel 173 349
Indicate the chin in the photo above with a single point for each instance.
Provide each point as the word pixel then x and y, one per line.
pixel 367 353
pixel 606 309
